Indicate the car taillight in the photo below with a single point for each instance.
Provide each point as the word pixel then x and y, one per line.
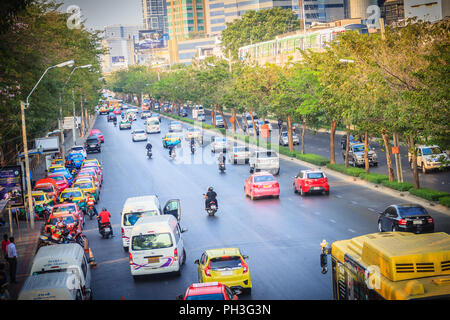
pixel 276 185
pixel 402 222
pixel 130 256
pixel 123 231
pixel 235 155
pixel 175 254
pixel 207 271
pixel 430 220
pixel 244 266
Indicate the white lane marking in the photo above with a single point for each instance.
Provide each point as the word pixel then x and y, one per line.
pixel 317 213
pixel 351 230
pixel 371 209
pixel 339 196
pixel 331 220
pixel 354 202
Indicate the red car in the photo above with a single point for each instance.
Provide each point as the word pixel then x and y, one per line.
pixel 209 291
pixel 261 184
pixel 61 181
pixel 93 165
pixel 309 181
pixel 98 133
pixel 117 111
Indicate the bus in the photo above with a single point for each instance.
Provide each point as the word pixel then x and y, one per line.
pixel 390 266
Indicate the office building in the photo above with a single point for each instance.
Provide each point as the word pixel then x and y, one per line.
pixel 154 13
pixel 427 10
pixel 186 19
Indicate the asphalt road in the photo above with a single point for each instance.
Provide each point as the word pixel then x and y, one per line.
pixel 319 143
pixel 280 236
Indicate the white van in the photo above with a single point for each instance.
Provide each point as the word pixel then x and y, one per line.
pixel 156 246
pixel 68 258
pixel 52 286
pixel 144 206
pixel 152 125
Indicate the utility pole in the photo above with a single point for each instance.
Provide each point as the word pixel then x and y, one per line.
pixel 83 119
pixel 27 165
pixel 74 137
pixel 61 131
pixel 398 161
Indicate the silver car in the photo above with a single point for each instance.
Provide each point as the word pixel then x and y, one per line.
pixel 219 121
pixel 238 154
pixel 284 141
pixel 139 135
pixel 219 144
pixel 265 161
pixel 175 126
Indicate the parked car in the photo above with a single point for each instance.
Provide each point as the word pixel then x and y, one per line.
pixel 284 141
pixel 219 121
pixel 344 141
pixel 92 144
pixel 261 184
pixel 310 181
pixel 238 154
pixel 356 155
pixel 264 160
pixel 430 158
pixel 139 135
pixel 406 217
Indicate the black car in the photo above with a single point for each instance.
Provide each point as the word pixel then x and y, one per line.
pixel 111 117
pixel 183 113
pixel 406 217
pixel 92 144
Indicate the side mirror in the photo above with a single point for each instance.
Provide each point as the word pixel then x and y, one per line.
pixel 197 261
pixel 180 297
pixel 245 256
pixel 184 230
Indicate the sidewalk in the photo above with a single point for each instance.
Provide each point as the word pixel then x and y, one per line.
pixel 26 239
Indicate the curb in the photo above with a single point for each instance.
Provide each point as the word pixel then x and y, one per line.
pixel 379 188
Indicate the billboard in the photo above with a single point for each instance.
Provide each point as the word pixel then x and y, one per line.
pixel 150 39
pixel 117 59
pixel 50 144
pixel 11 182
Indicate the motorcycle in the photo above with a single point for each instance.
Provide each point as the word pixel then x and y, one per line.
pixel 192 149
pixel 115 123
pixel 47 239
pixel 91 212
pixel 149 153
pixel 222 167
pixel 212 208
pixel 172 153
pixel 105 230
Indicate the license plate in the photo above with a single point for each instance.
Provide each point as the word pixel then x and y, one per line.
pixel 107 229
pixel 316 188
pixel 417 222
pixel 92 145
pixel 153 260
pixel 267 186
pixel 226 273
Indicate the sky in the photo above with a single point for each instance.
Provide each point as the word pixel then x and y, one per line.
pixel 101 13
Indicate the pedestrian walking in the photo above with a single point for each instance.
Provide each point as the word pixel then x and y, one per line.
pixel 5 243
pixel 12 259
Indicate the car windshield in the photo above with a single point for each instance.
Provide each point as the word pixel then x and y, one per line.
pixel 267 154
pixel 152 121
pixel 263 179
pixel 39 197
pixel 139 131
pixel 241 149
pixel 76 156
pixel 315 175
pixel 226 262
pixel 211 296
pixel 77 148
pixel 71 208
pixel 430 151
pixel 129 219
pixel 284 134
pixel 57 178
pixel 91 140
pixel 412 211
pixel 66 195
pixel 151 241
pixel 84 185
pixel 359 148
pixel 66 220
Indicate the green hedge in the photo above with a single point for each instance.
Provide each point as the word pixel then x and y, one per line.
pixel 400 186
pixel 355 172
pixel 445 201
pixel 374 177
pixel 312 158
pixel 429 194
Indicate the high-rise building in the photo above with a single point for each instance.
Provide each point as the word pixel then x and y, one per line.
pixel 186 19
pixel 154 13
pixel 323 10
pixel 427 10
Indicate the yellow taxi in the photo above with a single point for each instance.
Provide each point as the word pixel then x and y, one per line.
pixel 226 266
pixel 57 162
pixel 41 198
pixel 77 195
pixel 92 160
pixel 171 139
pixel 88 186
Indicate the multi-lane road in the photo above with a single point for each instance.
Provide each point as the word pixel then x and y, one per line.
pixel 281 236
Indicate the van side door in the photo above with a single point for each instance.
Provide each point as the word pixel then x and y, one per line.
pixel 173 207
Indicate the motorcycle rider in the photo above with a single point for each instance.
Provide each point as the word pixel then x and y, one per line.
pixel 192 144
pixel 171 150
pixel 103 220
pixel 149 147
pixel 210 195
pixel 221 159
pixel 115 121
pixel 90 201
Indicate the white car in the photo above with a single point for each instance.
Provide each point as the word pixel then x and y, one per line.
pixel 139 135
pixel 201 117
pixel 175 126
pixel 430 157
pixel 219 121
pixel 219 144
pixel 284 141
pixel 194 133
pixel 238 154
pixel 78 149
pixel 265 161
pixel 132 114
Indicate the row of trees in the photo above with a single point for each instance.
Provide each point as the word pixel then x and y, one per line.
pixel 377 85
pixel 33 37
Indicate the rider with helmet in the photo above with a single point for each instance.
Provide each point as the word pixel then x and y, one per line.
pixel 211 196
pixel 104 220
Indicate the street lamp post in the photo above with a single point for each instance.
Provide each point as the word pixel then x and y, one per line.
pixel 23 106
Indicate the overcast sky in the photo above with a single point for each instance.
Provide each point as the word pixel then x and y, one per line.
pixel 101 13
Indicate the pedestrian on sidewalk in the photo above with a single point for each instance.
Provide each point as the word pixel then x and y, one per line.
pixel 12 259
pixel 5 243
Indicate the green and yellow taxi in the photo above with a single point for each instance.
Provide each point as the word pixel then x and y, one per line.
pixel 77 195
pixel 41 198
pixel 57 162
pixel 88 186
pixel 226 266
pixel 171 139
